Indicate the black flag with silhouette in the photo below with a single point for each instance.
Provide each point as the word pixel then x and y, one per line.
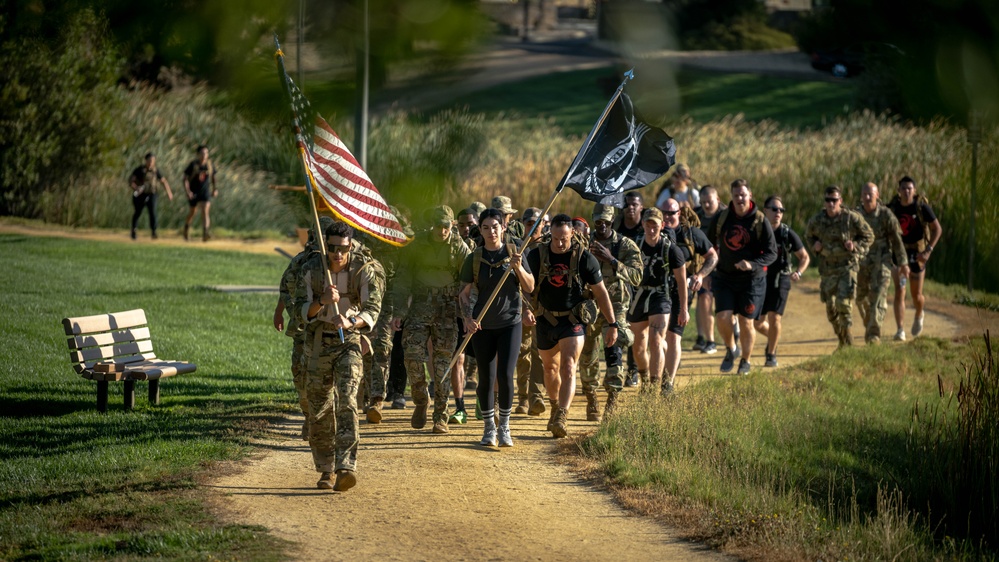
pixel 625 153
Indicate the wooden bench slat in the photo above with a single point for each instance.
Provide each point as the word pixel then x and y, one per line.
pixel 161 369
pixel 104 322
pixel 108 352
pixel 108 338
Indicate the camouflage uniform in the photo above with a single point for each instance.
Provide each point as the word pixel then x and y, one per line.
pixel 425 294
pixel 295 328
pixel 619 279
pixel 874 275
pixel 376 365
pixel 333 368
pixel 837 266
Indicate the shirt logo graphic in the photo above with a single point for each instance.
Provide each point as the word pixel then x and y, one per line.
pixel 559 275
pixel 736 238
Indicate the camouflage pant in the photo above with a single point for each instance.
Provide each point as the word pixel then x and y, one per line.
pixel 331 386
pixel 430 319
pixel 872 297
pixel 530 372
pixel 838 290
pixel 593 351
pixel 298 371
pixel 376 365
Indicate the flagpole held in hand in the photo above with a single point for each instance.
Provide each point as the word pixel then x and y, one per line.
pixel 309 187
pixel 629 75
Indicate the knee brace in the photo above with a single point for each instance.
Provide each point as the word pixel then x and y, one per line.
pixel 613 356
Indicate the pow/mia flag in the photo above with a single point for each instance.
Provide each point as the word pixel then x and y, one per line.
pixel 626 153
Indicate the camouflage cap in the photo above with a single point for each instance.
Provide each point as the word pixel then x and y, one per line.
pixel 441 215
pixel 652 214
pixel 531 214
pixel 477 207
pixel 603 212
pixel 503 203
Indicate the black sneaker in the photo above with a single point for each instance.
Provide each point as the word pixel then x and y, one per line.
pixel 699 344
pixel 771 360
pixel 631 379
pixel 744 367
pixel 726 365
pixel 710 348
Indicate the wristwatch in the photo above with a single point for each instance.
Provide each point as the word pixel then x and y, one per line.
pixel 353 322
pixel 612 324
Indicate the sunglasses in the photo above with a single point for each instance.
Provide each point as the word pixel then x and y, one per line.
pixel 832 199
pixel 343 249
pixel 779 209
pixel 670 213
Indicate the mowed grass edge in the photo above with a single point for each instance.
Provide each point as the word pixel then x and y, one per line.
pixel 79 485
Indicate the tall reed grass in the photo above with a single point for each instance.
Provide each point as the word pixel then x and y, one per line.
pixel 455 157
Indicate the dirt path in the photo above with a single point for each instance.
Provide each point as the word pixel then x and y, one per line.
pixel 424 496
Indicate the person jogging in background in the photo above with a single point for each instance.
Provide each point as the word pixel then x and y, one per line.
pixel 199 183
pixel 144 182
pixel 840 238
pixel 920 233
pixel 779 276
pixel 745 243
pixel 886 252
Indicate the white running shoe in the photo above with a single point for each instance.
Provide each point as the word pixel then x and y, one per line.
pixel 917 326
pixel 900 335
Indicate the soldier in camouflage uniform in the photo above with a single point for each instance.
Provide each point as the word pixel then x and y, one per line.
pixel 514 228
pixel 840 238
pixel 376 365
pixel 530 374
pixel 296 328
pixel 621 266
pixel 334 367
pixel 425 296
pixel 874 275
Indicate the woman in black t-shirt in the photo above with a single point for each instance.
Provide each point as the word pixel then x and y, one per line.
pixel 497 336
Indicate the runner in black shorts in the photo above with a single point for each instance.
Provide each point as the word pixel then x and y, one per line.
pixel 779 276
pixel 921 231
pixel 651 304
pixel 559 332
pixel 745 243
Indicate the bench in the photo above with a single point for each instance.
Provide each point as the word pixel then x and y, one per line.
pixel 117 347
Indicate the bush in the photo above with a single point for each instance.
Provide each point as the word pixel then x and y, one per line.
pixel 58 103
pixel 744 33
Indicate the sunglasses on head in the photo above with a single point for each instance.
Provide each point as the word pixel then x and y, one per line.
pixel 778 209
pixel 832 199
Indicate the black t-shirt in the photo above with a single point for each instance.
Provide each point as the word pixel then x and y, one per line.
pixel 910 219
pixel 200 176
pixel 739 238
pixel 146 179
pixel 706 220
pixel 785 238
pixel 654 272
pixel 505 310
pixel 557 292
pixel 633 232
pixel 701 242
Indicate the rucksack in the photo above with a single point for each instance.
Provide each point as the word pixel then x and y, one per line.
pixel 757 225
pixel 921 202
pixel 785 232
pixel 477 260
pixel 666 242
pixel 586 311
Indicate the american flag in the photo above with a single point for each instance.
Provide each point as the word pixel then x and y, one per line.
pixel 334 172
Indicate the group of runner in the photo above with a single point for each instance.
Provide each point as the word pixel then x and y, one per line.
pixel 543 299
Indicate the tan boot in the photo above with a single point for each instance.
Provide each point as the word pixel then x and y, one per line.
pixel 553 406
pixel 345 480
pixel 611 401
pixel 374 413
pixel 559 425
pixel 592 409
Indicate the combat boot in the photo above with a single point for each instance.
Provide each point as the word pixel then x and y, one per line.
pixel 611 401
pixel 537 407
pixel 324 481
pixel 421 400
pixel 558 426
pixel 345 480
pixel 553 405
pixel 592 409
pixel 374 413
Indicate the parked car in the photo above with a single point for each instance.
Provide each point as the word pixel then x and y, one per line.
pixel 851 59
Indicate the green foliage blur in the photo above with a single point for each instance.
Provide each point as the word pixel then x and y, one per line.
pixel 58 102
pixel 946 54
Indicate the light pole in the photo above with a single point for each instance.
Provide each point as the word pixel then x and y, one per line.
pixel 361 103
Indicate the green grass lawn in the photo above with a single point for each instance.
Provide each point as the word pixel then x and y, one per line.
pixel 574 100
pixel 75 484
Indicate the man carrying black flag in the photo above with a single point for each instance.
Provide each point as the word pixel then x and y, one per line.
pixel 626 153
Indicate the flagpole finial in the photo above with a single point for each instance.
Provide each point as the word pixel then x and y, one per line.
pixel 630 75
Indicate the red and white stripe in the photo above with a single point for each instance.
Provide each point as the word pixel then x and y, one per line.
pixel 347 189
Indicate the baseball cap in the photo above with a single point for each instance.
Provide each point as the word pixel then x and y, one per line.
pixel 652 214
pixel 441 215
pixel 531 214
pixel 603 212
